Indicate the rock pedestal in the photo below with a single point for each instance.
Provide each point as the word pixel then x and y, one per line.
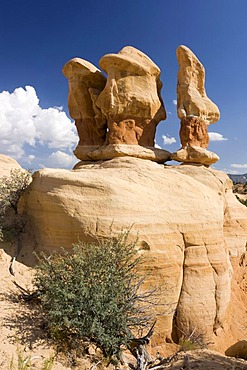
pixel 195 110
pixel 85 84
pixel 124 110
pixel 131 99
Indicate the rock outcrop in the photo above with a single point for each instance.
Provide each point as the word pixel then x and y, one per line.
pixel 7 164
pixel 195 110
pixel 85 84
pixel 131 99
pixel 184 217
pixel 124 110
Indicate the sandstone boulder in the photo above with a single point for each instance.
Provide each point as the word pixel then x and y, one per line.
pixel 7 164
pixel 191 94
pixel 195 154
pixel 179 214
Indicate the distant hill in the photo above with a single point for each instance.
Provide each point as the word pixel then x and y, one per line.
pixel 238 179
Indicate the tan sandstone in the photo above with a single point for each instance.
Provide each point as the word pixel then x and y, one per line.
pixel 179 214
pixel 7 164
pixel 85 84
pixel 195 110
pixel 191 93
pixel 110 151
pixel 131 99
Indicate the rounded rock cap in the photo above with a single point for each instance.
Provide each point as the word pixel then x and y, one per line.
pixel 130 59
pixel 83 70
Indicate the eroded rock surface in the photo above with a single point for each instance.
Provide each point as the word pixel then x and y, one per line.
pixel 124 109
pixel 179 214
pixel 85 84
pixel 192 98
pixel 131 99
pixel 195 110
pixel 7 164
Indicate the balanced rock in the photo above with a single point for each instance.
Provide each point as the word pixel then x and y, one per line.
pixel 85 84
pixel 178 213
pixel 192 99
pixel 195 110
pixel 131 99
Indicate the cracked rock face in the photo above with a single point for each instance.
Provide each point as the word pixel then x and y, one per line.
pixel 186 217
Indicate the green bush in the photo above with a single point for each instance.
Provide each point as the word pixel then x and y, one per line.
pixel 93 294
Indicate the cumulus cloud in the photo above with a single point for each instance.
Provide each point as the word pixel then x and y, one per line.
pixel 61 159
pixel 30 158
pixel 24 123
pixel 156 145
pixel 215 136
pixel 175 102
pixel 236 165
pixel 167 140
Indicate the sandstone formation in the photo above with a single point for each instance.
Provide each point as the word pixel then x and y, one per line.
pixel 131 99
pixel 195 110
pixel 7 164
pixel 85 84
pixel 124 110
pixel 124 150
pixel 187 219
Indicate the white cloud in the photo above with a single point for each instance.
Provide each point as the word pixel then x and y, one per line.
pixel 215 136
pixel 60 159
pixel 243 166
pixel 175 102
pixel 30 158
pixel 23 122
pixel 168 140
pixel 156 145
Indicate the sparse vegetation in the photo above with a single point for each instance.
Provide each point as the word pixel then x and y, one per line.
pixel 27 362
pixel 94 294
pixel 192 341
pixel 11 188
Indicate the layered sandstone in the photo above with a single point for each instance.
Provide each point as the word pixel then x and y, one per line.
pixel 181 215
pixel 192 99
pixel 85 84
pixel 131 99
pixel 122 110
pixel 195 110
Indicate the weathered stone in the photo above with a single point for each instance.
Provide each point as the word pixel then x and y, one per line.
pixel 124 150
pixel 191 95
pixel 7 164
pixel 195 110
pixel 85 84
pixel 179 215
pixel 194 154
pixel 131 99
pixel 193 132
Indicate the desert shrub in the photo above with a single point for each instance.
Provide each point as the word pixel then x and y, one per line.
pixel 11 188
pixel 93 294
pixel 192 341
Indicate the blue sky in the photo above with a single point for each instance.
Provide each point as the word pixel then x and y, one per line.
pixel 38 38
